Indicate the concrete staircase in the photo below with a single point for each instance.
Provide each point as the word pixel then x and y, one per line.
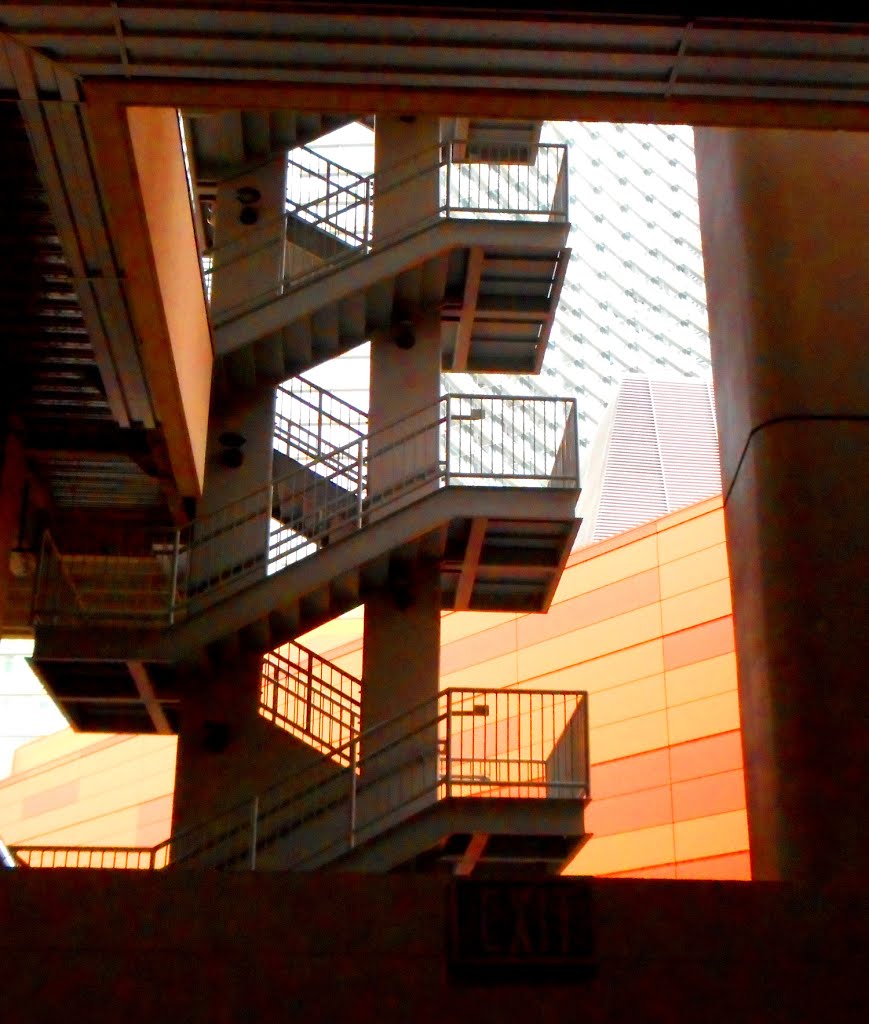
pixel 490 262
pixel 474 782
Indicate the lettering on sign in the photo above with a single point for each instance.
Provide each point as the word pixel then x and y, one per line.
pixel 536 928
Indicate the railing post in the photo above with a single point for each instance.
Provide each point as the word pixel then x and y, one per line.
pixel 449 161
pixel 254 821
pixel 447 441
pixel 319 423
pixel 564 189
pixel 37 596
pixel 366 238
pixel 359 465
pixel 310 687
pixel 176 555
pixel 448 768
pixel 354 763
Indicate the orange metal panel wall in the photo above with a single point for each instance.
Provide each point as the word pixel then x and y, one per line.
pixel 642 621
pixel 81 790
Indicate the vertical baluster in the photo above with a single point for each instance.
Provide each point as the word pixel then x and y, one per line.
pixel 359 475
pixel 354 762
pixel 448 766
pixel 176 554
pixel 447 439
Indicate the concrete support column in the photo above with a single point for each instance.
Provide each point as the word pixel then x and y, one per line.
pixel 227 752
pixel 249 237
pixel 402 623
pixel 406 157
pixel 785 224
pixel 235 509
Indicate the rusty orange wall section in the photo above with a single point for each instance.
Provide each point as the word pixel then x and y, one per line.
pixel 641 621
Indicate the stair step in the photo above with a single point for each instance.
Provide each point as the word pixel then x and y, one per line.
pixel 315 606
pixel 284 621
pixel 378 304
pixel 282 124
pixel 298 343
pixel 345 589
pixel 256 636
pixel 351 318
pixel 241 368
pixel 256 133
pixel 324 327
pixel 434 281
pixel 269 357
pixel 375 573
pixel 407 291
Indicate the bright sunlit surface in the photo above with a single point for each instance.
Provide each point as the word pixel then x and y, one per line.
pixel 26 710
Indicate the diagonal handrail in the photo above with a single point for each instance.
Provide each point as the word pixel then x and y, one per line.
pixel 461 744
pixel 462 440
pixel 508 190
pixel 312 422
pixel 311 698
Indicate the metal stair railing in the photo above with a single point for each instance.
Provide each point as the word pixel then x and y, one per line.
pixel 508 190
pixel 463 744
pixel 311 698
pixel 461 441
pixel 312 423
pixel 329 196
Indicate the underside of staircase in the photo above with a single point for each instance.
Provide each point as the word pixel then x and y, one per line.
pixel 490 560
pixel 495 284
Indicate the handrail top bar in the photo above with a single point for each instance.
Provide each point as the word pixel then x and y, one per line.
pixel 416 171
pixel 325 159
pixel 395 442
pixel 284 387
pixel 582 700
pixel 446 146
pixel 243 806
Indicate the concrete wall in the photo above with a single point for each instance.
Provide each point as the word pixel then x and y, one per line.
pixel 188 946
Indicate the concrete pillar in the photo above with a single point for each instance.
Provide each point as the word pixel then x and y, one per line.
pixel 402 623
pixel 785 224
pixel 406 168
pixel 234 515
pixel 249 237
pixel 249 240
pixel 227 752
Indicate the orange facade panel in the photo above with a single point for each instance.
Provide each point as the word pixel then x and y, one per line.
pixel 707 756
pixel 694 570
pixel 650 640
pixel 696 534
pixel 695 607
pixel 630 774
pixel 710 794
pixel 625 851
pixel 703 717
pixel 631 811
pixel 736 866
pixel 706 640
pixel 573 613
pixel 712 835
pixel 701 679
